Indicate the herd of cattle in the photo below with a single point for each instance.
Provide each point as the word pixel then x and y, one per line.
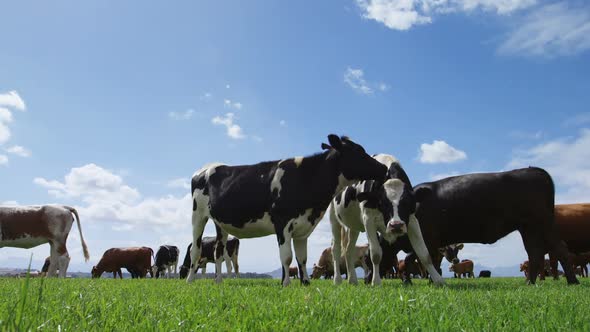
pixel 361 193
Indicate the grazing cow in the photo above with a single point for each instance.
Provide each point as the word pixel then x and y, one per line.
pixel 463 268
pixel 286 198
pixel 30 226
pixel 325 265
pixel 166 260
pixel 137 260
pixel 389 262
pixel 208 256
pixel 573 224
pixel 376 208
pixel 485 274
pixel 293 272
pixel 484 207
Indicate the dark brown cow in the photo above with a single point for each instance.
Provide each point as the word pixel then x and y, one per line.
pixel 463 268
pixel 573 224
pixel 135 259
pixel 410 266
pixel 30 226
pixel 293 272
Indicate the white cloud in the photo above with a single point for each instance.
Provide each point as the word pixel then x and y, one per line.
pixel 227 86
pixel 551 30
pixel 182 115
pixel 107 198
pixel 405 14
pixel 183 183
pixel 3 159
pixel 206 96
pixel 355 79
pixel 440 152
pixel 13 100
pixel 12 203
pixel 19 151
pixel 229 104
pixel 233 130
pixel 4 133
pixel 568 162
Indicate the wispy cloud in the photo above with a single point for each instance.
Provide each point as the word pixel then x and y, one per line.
pixel 234 131
pixel 440 152
pixel 19 151
pixel 405 14
pixel 13 100
pixel 182 115
pixel 556 29
pixel 206 96
pixel 355 79
pixel 182 183
pixel 519 134
pixel 230 104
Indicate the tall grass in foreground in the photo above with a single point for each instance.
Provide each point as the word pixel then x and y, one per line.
pixel 254 305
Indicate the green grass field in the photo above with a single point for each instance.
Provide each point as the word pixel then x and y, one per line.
pixel 254 305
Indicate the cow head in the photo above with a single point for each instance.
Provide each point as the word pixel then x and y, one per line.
pixel 524 266
pixel 452 267
pixel 451 252
pixel 95 272
pixel 353 162
pixel 183 273
pixel 394 202
pixel 317 271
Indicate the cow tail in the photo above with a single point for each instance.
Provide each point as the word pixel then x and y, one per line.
pixel 152 252
pixel 84 247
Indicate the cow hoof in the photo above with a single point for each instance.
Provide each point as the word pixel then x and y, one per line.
pixel 407 282
pixel 574 282
pixel 305 282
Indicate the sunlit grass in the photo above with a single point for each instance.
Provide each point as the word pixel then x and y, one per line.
pixel 252 305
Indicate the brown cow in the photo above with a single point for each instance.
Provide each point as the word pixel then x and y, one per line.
pixel 30 226
pixel 45 267
pixel 293 272
pixel 137 260
pixel 543 271
pixel 464 268
pixel 325 265
pixel 410 266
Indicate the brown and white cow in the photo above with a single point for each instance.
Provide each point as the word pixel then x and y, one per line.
pixel 137 260
pixel 409 266
pixel 29 226
pixel 325 265
pixel 463 268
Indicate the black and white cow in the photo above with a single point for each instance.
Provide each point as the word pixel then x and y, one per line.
pixel 208 255
pixel 286 198
pixel 376 208
pixel 166 261
pixel 484 207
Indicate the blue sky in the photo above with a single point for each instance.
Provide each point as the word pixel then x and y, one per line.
pixel 112 106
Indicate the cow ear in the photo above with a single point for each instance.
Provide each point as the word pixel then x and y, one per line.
pixel 460 246
pixel 421 193
pixel 335 141
pixel 326 146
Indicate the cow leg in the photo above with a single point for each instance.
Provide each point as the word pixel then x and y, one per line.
pixel 336 246
pixel 234 260
pixel 203 270
pixel 284 241
pixel 350 257
pixel 53 260
pixel 199 221
pixel 417 241
pixel 553 265
pixel 560 249
pixel 376 254
pixel 533 244
pixel 300 246
pixel 220 254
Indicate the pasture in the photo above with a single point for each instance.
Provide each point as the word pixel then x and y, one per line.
pixel 262 305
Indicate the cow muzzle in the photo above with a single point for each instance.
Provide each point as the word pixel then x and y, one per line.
pixel 397 227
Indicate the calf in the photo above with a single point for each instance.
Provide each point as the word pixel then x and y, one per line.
pixel 325 265
pixel 208 253
pixel 284 197
pixel 485 274
pixel 30 226
pixel 137 260
pixel 544 269
pixel 166 260
pixel 293 272
pixel 377 208
pixel 463 268
pixel 484 207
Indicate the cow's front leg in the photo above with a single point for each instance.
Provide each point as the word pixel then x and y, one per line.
pixel 284 241
pixel 376 252
pixel 199 222
pixel 220 254
pixel 300 246
pixel 350 256
pixel 417 241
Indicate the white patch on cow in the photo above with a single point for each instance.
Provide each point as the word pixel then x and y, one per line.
pixel 255 228
pixel 343 182
pixel 394 188
pixel 298 161
pixel 302 228
pixel 276 181
pixel 209 168
pixel 417 241
pixel 25 242
pixel 386 159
